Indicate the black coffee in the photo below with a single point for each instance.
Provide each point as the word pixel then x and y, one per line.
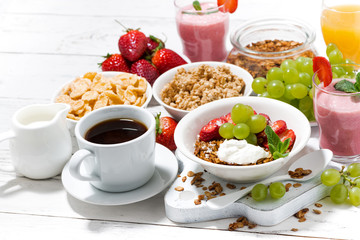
pixel 117 130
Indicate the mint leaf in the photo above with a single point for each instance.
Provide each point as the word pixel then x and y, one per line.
pixel 272 137
pixel 345 86
pixel 197 6
pixel 357 83
pixel 285 145
pixel 276 147
pixel 278 155
pixel 272 148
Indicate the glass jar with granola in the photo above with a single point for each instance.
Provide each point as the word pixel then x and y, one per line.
pixel 262 44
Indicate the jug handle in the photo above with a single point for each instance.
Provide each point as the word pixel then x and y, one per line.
pixel 75 163
pixel 6 135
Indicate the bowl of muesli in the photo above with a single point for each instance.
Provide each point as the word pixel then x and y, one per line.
pixel 237 158
pixel 184 88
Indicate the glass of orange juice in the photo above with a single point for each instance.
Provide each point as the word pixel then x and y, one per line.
pixel 340 24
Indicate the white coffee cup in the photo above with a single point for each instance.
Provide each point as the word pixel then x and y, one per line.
pixel 115 167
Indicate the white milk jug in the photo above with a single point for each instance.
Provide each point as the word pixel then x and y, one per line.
pixel 40 143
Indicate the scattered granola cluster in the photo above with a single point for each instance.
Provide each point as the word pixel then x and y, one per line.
pixel 258 66
pixel 240 223
pixel 301 214
pixel 299 173
pixel 211 191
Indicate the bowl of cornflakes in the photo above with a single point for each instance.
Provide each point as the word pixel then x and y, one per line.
pixel 96 90
pixel 186 87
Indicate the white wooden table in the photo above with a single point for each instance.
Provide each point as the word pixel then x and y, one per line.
pixel 45 43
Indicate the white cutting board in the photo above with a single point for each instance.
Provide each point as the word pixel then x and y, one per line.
pixel 180 206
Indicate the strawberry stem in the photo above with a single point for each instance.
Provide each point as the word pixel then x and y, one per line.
pixel 107 56
pixel 121 24
pixel 158 128
pixel 126 29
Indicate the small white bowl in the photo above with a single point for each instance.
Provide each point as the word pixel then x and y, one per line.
pixel 189 127
pixel 72 123
pixel 169 75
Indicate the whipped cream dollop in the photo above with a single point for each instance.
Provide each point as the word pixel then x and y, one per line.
pixel 240 152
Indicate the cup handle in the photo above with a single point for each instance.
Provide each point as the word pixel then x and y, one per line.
pixel 6 135
pixel 75 163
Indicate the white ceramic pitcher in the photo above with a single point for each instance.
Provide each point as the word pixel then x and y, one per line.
pixel 40 143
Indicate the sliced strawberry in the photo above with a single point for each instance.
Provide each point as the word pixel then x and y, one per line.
pixel 268 121
pixel 289 133
pixel 211 130
pixel 229 5
pixel 322 67
pixel 279 126
pixel 227 118
pixel 217 121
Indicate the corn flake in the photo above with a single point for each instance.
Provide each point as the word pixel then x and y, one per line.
pixel 93 91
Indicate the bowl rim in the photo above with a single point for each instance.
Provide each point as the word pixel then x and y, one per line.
pixel 106 74
pixel 306 132
pixel 172 72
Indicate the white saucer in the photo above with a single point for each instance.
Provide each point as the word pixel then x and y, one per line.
pixel 166 167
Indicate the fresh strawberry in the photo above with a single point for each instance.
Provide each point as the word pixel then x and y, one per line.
pixel 322 67
pixel 114 62
pixel 165 59
pixel 165 128
pixel 211 130
pixel 227 118
pixel 268 121
pixel 279 126
pixel 288 133
pixel 132 45
pixel 229 5
pixel 153 44
pixel 217 121
pixel 145 69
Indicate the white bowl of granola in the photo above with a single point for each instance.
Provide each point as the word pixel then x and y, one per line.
pixel 189 86
pixel 187 134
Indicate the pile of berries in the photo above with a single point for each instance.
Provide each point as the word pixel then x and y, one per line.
pixel 143 55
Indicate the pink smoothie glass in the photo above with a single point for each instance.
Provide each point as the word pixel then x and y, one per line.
pixel 338 116
pixel 203 33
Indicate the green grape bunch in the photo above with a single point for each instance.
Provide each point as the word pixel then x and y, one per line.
pixel 345 184
pixel 292 81
pixel 246 124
